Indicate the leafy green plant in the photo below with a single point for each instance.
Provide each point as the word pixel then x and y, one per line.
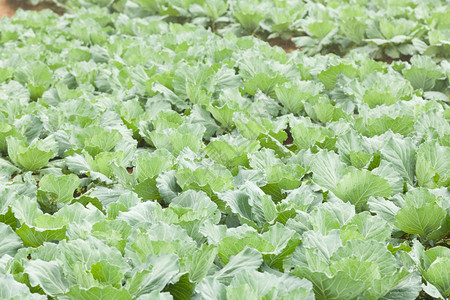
pixel 149 159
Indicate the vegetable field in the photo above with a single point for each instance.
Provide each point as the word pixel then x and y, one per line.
pixel 163 149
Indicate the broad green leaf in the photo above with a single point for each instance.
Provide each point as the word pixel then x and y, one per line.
pixel 399 284
pixel 97 139
pixel 7 170
pixel 432 160
pixel 292 95
pixel 377 126
pixel 182 289
pixel 419 197
pixel 10 241
pixel 144 246
pixel 265 83
pixel 113 232
pixel 171 149
pixel 423 220
pixel 324 245
pixel 423 73
pixel 231 153
pixel 357 187
pixel 62 187
pixel 235 292
pixel 85 253
pixel 211 288
pixel 8 218
pixel 368 251
pixel 383 208
pixel 147 189
pixel 157 273
pixel 223 114
pixel 193 205
pixel 48 275
pixel 30 157
pixel 439 275
pixel 12 289
pixel 200 262
pixel 366 227
pixel 431 124
pixel 37 76
pixel 145 213
pixel 321 29
pixel 107 274
pixel 340 286
pixel 327 169
pixel 76 213
pixel 251 204
pixel 401 154
pixel 434 253
pixel 359 159
pixel 247 259
pixel 266 285
pixel 284 241
pixel 328 216
pixel 305 137
pixel 216 178
pixel 348 143
pixel 98 293
pixel 354 29
pixel 149 165
pixel 26 210
pixel 232 245
pixel 388 172
pixel 248 17
pixel 287 177
pixel 410 287
pixel 363 271
pixel 34 236
pixel 329 77
pixel 5 131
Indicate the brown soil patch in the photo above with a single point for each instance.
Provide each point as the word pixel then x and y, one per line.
pixel 287 45
pixel 6 9
pixel 389 60
pixel 9 7
pixel 290 139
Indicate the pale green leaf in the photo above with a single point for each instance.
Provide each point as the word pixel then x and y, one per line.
pixel 357 187
pixel 34 236
pixel 159 271
pixel 423 220
pixel 439 275
pixel 48 275
pixel 10 241
pixel 200 262
pixel 98 293
pixel 401 154
pixel 246 260
pixel 62 186
pixel 327 169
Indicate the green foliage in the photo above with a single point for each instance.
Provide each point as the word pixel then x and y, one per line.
pixel 145 159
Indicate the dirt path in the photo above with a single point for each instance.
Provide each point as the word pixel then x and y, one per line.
pixel 8 7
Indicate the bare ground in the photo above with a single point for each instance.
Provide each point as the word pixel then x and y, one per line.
pixel 287 45
pixel 8 7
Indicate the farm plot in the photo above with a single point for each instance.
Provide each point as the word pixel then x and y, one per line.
pixel 148 159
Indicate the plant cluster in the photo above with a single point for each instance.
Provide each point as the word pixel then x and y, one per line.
pixel 144 159
pixel 382 29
